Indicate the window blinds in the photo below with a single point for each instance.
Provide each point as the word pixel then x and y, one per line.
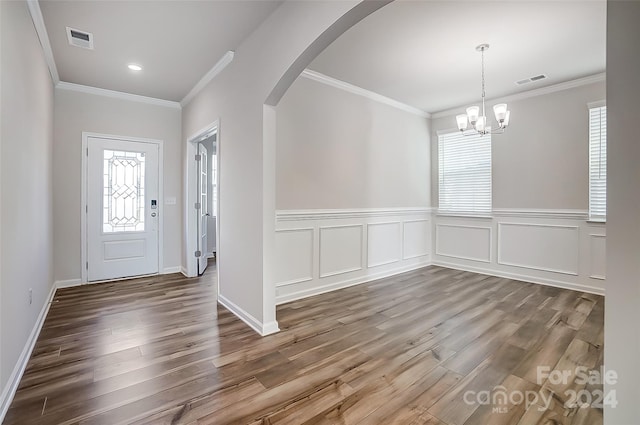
pixel 465 173
pixel 598 163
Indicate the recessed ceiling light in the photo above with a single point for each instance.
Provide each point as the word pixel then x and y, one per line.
pixel 135 67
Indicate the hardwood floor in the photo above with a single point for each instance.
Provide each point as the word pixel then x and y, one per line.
pixel 417 348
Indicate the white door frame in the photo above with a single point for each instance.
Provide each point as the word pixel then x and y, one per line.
pixel 84 194
pixel 190 213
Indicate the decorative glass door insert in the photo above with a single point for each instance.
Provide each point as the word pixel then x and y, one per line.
pixel 123 194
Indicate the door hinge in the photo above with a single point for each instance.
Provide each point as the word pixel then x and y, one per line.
pixel 198 205
pixel 198 157
pixel 198 254
pixel 86 265
pixel 86 209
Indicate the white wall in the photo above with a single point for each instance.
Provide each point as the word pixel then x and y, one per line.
pixel 353 190
pixel 265 64
pixel 25 184
pixel 622 303
pixel 538 230
pixel 542 160
pixel 76 112
pixel 337 149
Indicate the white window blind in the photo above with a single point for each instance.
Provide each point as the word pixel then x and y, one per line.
pixel 598 163
pixel 465 173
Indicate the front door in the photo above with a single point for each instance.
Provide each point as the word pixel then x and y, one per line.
pixel 122 208
pixel 203 213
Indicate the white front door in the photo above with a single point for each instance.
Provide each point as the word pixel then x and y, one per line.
pixel 203 214
pixel 122 208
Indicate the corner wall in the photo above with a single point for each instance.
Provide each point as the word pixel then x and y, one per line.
pixel 26 241
pixel 622 303
pixel 352 190
pixel 264 66
pixel 538 231
pixel 77 112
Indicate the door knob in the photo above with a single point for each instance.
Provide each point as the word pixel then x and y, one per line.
pixel 153 214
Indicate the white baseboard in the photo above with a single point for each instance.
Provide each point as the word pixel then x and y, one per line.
pixel 524 278
pixel 67 283
pixel 183 270
pixel 347 283
pixel 9 391
pixel 170 270
pixel 261 328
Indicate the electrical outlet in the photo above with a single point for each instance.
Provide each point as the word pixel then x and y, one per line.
pixel 30 296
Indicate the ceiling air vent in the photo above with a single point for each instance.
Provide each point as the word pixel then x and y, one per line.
pixel 531 79
pixel 80 38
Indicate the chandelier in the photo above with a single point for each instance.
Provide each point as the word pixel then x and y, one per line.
pixel 479 122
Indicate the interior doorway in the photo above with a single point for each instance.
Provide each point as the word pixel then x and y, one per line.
pixel 202 210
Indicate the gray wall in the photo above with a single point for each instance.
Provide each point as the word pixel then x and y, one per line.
pixel 542 160
pixel 25 152
pixel 622 303
pixel 339 150
pixel 77 112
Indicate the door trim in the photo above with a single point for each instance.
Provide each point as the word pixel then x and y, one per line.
pixel 84 194
pixel 191 266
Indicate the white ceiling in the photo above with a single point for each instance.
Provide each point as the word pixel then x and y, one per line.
pixel 422 53
pixel 176 42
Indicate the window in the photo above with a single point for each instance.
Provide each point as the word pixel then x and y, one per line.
pixel 465 173
pixel 598 163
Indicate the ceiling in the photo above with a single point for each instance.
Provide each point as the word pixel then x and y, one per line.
pixel 422 53
pixel 176 42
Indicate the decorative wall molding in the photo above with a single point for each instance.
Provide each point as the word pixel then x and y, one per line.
pixel 41 30
pixel 298 250
pixel 406 239
pixel 69 283
pixel 388 251
pixel 321 289
pixel 117 95
pixel 171 270
pixel 9 390
pixel 439 238
pixel 531 93
pixel 597 263
pixel 342 85
pixel 541 213
pixel 319 214
pixel 522 277
pixel 576 248
pixel 323 261
pixel 255 324
pixel 222 63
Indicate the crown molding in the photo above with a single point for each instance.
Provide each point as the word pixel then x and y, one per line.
pixel 213 72
pixel 43 36
pixel 117 95
pixel 330 81
pixel 532 93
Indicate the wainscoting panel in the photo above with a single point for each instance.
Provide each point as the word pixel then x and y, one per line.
pixel 416 238
pixel 340 249
pixel 384 243
pixel 550 248
pixel 598 250
pixel 324 250
pixel 464 242
pixel 294 256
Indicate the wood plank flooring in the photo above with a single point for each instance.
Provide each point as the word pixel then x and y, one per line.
pixel 417 348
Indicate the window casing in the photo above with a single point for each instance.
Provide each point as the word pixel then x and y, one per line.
pixel 464 169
